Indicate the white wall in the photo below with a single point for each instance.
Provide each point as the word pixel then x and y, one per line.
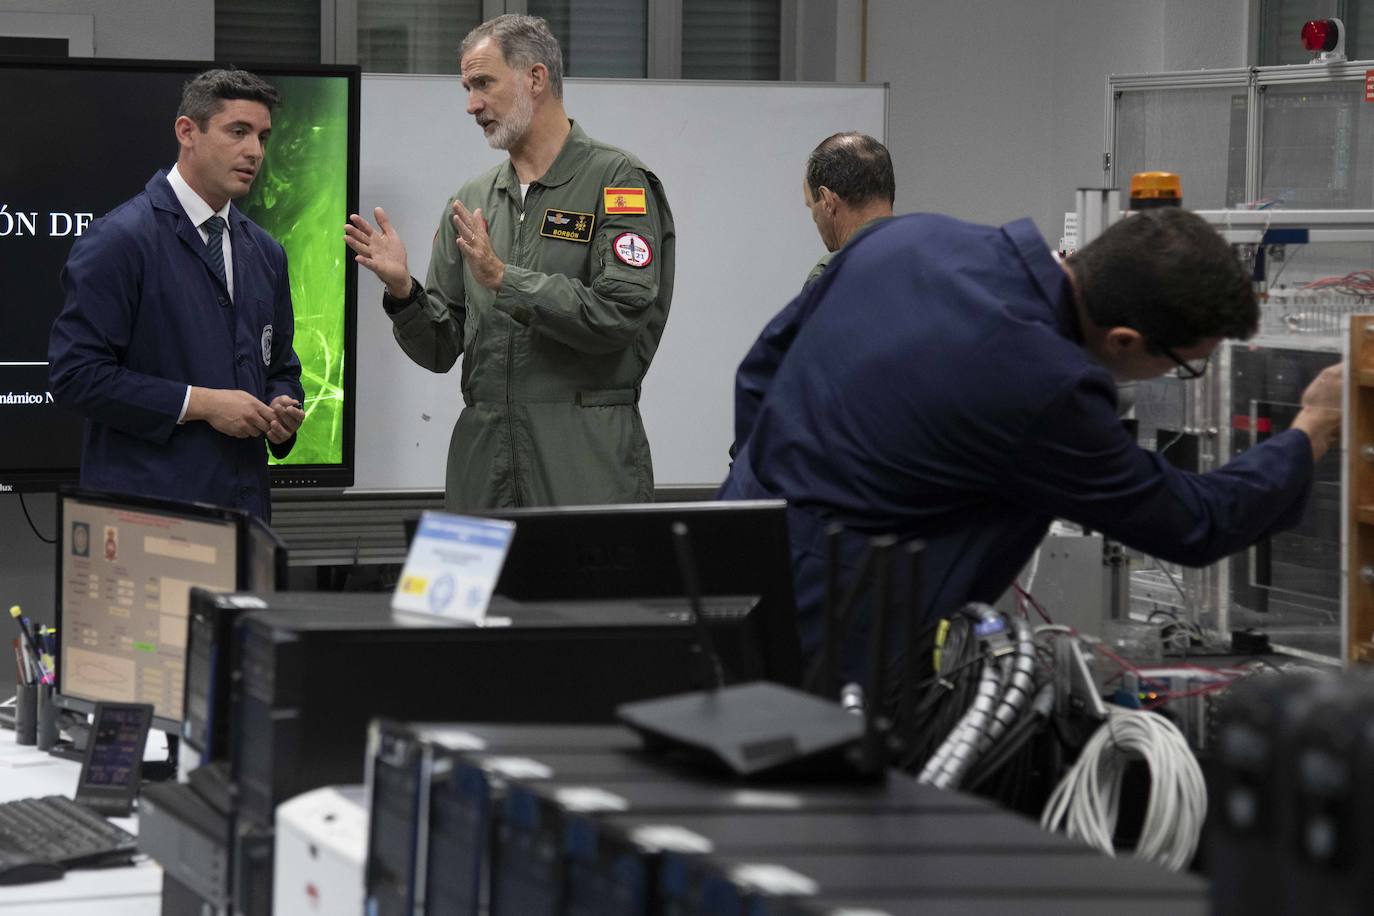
pixel 998 106
pixel 1206 34
pixel 1130 37
pixel 829 40
pixel 969 123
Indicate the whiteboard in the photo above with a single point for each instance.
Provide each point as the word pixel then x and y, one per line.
pixel 731 157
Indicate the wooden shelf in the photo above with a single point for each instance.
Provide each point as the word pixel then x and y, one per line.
pixel 1359 429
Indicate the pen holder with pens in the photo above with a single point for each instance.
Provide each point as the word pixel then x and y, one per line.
pixel 46 718
pixel 26 714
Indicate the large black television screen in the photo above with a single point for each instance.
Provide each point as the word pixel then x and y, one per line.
pixel 85 136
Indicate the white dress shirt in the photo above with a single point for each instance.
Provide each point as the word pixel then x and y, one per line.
pixel 199 211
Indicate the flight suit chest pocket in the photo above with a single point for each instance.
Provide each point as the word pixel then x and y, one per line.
pixel 565 241
pixel 567 225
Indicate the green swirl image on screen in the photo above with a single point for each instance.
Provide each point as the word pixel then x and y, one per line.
pixel 301 199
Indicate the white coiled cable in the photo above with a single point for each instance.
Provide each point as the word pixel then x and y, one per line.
pixel 1086 801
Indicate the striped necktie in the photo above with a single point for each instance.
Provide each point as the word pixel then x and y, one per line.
pixel 214 226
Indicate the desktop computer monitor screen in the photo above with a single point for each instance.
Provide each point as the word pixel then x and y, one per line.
pixel 125 568
pixel 591 552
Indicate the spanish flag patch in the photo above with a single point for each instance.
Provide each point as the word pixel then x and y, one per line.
pixel 624 200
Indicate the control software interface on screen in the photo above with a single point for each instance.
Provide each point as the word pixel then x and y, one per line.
pixel 117 747
pixel 126 580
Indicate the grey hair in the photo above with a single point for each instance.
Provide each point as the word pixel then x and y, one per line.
pixel 524 41
pixel 205 94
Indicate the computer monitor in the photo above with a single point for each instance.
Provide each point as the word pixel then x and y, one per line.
pixel 590 552
pixel 264 558
pixel 125 567
pixel 53 188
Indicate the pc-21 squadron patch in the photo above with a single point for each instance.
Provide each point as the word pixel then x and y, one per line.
pixel 568 225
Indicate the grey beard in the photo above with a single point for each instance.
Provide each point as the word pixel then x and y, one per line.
pixel 514 127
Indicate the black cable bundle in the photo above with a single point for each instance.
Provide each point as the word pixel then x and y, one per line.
pixel 1023 768
pixel 943 694
pixel 1014 756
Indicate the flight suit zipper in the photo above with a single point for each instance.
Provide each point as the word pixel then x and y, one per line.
pixel 516 258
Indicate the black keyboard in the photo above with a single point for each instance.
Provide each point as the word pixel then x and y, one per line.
pixel 42 837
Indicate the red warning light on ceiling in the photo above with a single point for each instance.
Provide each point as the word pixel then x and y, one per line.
pixel 1320 34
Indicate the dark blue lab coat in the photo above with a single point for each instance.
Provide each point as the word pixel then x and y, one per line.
pixel 144 316
pixel 932 384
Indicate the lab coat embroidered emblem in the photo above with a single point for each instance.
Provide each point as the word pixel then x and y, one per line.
pixel 267 345
pixel 568 225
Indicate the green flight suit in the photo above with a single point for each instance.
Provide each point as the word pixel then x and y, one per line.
pixel 554 360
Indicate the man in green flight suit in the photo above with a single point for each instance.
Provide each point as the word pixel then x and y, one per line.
pixel 551 275
pixel 849 187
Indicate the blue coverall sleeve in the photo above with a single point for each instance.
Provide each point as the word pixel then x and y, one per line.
pixel 1079 463
pixel 89 340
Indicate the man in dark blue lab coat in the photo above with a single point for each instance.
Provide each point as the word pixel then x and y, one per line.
pixel 849 188
pixel 174 340
pixel 953 383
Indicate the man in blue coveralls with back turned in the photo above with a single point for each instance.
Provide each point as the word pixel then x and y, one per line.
pixel 174 340
pixel 953 383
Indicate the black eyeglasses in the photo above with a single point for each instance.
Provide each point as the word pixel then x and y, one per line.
pixel 1188 369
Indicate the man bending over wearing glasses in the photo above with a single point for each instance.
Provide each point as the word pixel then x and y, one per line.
pixel 952 383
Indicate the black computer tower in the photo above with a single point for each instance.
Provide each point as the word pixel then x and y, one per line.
pixel 530 865
pixel 192 842
pixel 433 786
pixel 761 883
pixel 1250 806
pixel 615 862
pixel 315 668
pixel 1105 903
pixel 1326 847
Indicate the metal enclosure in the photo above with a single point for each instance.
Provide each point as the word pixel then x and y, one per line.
pixel 1281 161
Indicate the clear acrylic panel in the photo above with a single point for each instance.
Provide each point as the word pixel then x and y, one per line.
pixel 1289 585
pixel 1198 133
pixel 1315 147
